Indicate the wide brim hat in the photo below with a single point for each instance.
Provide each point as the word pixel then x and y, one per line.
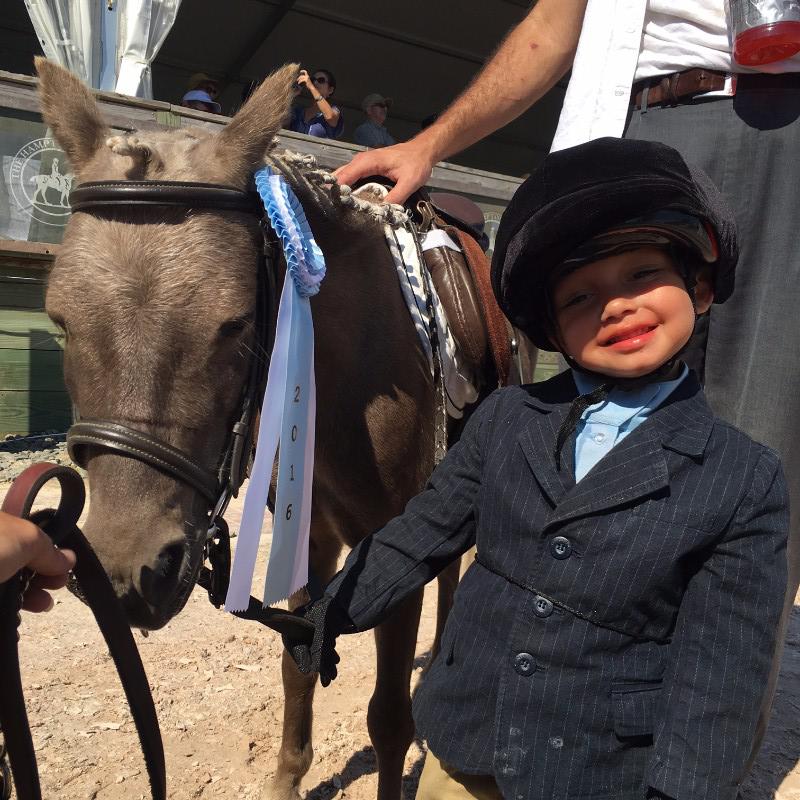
pixel 606 186
pixel 198 79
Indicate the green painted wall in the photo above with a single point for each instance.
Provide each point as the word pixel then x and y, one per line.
pixel 546 366
pixel 32 393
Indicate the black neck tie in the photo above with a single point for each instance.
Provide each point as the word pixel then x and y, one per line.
pixel 579 405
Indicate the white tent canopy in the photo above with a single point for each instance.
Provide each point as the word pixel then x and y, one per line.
pixel 110 44
pixel 419 53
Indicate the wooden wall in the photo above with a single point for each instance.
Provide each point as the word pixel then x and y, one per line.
pixel 32 393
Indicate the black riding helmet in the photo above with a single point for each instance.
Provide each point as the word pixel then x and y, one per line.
pixel 590 201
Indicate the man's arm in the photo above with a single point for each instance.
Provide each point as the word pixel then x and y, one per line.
pixel 527 64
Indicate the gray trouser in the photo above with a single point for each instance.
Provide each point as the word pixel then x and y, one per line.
pixel 750 147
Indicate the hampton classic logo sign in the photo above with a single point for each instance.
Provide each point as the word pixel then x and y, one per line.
pixel 40 181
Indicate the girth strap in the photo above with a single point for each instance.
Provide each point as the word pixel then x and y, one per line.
pixel 111 436
pixel 61 526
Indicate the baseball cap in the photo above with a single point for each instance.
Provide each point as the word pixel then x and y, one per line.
pixel 202 97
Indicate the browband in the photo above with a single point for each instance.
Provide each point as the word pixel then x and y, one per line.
pixel 182 194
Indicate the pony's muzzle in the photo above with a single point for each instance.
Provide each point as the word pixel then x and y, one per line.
pixel 163 586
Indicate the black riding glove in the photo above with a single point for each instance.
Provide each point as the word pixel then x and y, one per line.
pixel 317 653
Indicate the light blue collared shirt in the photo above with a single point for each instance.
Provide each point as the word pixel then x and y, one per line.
pixel 605 424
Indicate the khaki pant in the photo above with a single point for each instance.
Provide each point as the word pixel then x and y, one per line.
pixel 441 782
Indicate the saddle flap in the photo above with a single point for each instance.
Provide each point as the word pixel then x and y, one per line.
pixel 456 290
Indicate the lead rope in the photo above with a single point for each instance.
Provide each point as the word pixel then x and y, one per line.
pixel 5 770
pixel 61 525
pixel 5 773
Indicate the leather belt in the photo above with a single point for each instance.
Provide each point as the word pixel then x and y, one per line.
pixel 680 87
pixel 672 89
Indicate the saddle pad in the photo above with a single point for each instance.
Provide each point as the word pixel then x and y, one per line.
pixel 496 324
pixel 420 295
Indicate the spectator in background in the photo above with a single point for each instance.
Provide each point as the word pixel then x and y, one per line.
pixel 372 132
pixel 322 118
pixel 205 83
pixel 201 101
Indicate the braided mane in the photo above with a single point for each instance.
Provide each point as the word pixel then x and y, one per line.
pixel 318 186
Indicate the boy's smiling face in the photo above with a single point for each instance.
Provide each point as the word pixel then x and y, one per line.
pixel 627 314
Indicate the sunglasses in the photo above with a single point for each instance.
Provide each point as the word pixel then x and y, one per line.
pixel 319 79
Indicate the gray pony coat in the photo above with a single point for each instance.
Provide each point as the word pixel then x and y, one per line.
pixel 637 660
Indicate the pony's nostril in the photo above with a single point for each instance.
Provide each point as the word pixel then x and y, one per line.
pixel 161 581
pixel 169 562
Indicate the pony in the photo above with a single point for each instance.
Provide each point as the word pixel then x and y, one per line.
pixel 157 307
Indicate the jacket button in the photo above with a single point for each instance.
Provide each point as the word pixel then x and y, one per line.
pixel 542 607
pixel 560 547
pixel 524 664
pixel 556 742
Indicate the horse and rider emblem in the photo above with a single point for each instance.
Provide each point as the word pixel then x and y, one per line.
pixel 40 181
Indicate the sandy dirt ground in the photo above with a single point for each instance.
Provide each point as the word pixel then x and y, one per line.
pixel 216 683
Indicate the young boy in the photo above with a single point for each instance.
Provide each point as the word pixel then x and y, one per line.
pixel 614 636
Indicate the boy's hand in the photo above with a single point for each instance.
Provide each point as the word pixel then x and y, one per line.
pixel 22 544
pixel 317 653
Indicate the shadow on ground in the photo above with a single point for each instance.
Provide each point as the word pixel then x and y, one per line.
pixel 363 763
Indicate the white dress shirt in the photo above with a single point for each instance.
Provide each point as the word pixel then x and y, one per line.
pixel 625 40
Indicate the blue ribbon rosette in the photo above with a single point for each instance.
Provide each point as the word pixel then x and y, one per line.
pixel 288 413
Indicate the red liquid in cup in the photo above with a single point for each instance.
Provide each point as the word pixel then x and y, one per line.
pixel 768 43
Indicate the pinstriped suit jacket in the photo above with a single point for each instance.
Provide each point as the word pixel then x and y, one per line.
pixel 637 660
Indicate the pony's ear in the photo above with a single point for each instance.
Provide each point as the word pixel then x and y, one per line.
pixel 242 145
pixel 71 112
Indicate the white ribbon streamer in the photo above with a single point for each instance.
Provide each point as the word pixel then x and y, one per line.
pixel 288 416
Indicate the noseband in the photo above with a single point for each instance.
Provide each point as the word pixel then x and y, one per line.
pixel 219 484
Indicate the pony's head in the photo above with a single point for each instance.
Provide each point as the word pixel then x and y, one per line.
pixel 158 308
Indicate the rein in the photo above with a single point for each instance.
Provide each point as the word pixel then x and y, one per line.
pixel 61 525
pixel 220 484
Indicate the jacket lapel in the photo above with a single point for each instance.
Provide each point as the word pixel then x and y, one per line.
pixel 635 468
pixel 538 438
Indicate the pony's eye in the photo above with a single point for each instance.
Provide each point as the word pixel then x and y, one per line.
pixel 233 327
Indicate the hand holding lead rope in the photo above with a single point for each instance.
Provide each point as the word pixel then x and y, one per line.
pixel 60 525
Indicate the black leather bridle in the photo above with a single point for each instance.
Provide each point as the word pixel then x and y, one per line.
pixel 220 484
